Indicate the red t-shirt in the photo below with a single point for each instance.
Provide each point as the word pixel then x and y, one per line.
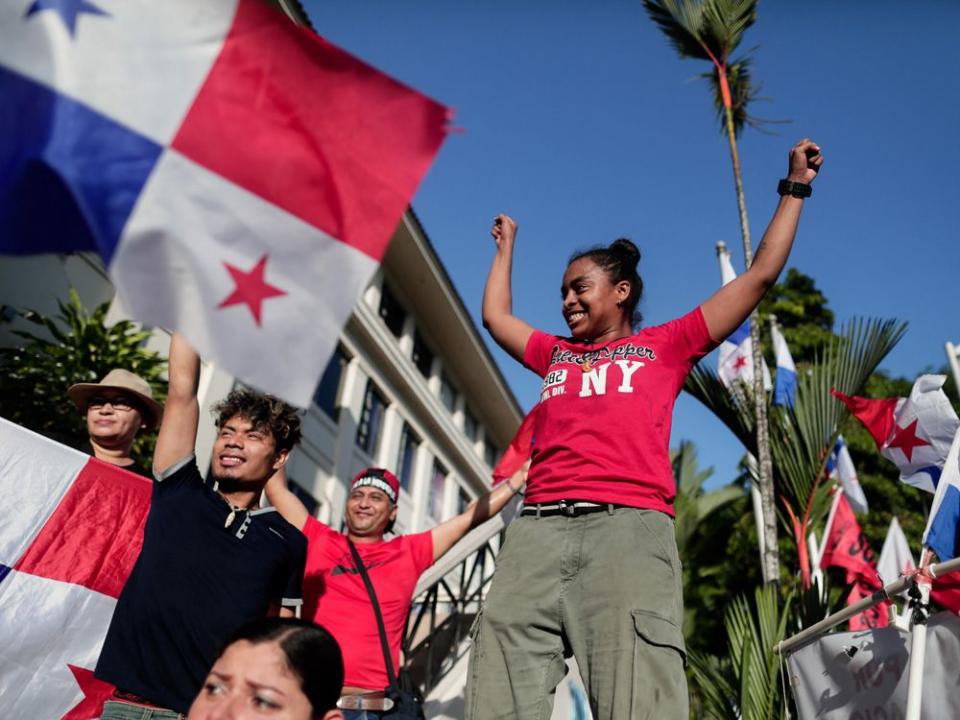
pixel 334 595
pixel 603 426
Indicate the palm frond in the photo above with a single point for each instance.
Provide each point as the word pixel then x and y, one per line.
pixel 801 438
pixel 682 22
pixel 725 21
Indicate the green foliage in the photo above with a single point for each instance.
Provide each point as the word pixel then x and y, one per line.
pixel 745 683
pixel 73 347
pixel 712 30
pixel 695 509
pixel 802 313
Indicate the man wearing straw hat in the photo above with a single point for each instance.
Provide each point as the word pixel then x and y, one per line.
pixel 117 408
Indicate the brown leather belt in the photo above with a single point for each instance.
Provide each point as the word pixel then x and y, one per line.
pixel 375 701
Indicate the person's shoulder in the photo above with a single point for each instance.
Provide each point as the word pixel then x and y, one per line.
pixel 669 327
pixel 184 470
pixel 410 541
pixel 278 524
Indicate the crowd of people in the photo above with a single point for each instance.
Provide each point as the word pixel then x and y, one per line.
pixel 207 626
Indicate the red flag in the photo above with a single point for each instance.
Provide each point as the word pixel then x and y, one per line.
pixel 876 617
pixel 518 452
pixel 877 415
pixel 846 546
pixel 946 591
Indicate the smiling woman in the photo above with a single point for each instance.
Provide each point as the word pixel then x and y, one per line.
pixel 597 526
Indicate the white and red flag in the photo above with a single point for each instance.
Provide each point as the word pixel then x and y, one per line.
pixel 735 356
pixel 72 529
pixel 240 176
pixel 915 432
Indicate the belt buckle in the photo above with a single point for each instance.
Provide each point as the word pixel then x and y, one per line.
pixel 567 508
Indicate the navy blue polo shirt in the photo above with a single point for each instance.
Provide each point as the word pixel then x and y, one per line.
pixel 193 585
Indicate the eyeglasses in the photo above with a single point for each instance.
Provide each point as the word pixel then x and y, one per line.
pixel 117 403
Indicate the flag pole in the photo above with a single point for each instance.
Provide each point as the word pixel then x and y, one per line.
pixel 920 611
pixel 887 592
pixel 953 353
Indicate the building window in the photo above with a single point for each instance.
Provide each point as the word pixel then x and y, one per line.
pixel 438 485
pixel 463 500
pixel 371 419
pixel 470 426
pixel 448 393
pixel 392 311
pixel 490 454
pixel 308 500
pixel 328 390
pixel 409 442
pixel 422 357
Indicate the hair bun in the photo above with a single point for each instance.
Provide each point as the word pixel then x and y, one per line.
pixel 625 249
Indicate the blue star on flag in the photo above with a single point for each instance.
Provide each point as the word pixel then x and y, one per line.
pixel 68 10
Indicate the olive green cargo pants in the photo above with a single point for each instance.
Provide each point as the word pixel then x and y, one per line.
pixel 604 587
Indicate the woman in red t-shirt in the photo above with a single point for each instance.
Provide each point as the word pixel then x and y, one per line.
pixel 591 567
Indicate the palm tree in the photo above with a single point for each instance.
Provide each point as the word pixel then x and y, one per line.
pixel 693 505
pixel 711 30
pixel 801 437
pixel 745 685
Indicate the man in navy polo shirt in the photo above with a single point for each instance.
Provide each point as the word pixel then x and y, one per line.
pixel 212 559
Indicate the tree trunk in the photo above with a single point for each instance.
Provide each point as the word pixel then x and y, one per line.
pixel 771 556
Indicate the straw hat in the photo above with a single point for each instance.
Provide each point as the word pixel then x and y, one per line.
pixel 127 382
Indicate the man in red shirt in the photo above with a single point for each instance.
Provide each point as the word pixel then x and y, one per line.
pixel 334 593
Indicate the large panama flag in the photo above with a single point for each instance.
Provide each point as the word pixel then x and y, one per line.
pixel 240 176
pixel 71 528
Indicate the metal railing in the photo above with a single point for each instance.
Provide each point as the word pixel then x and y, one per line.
pixel 441 616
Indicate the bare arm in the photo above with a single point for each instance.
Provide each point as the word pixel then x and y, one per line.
pixel 726 310
pixel 286 503
pixel 178 430
pixel 510 332
pixel 447 534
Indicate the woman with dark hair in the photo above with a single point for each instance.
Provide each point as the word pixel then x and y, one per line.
pixel 590 568
pixel 282 668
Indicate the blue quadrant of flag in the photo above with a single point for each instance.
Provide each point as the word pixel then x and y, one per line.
pixel 69 177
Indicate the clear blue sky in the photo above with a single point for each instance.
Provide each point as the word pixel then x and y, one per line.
pixel 582 123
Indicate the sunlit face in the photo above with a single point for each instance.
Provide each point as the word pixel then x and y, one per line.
pixel 369 511
pixel 251 681
pixel 590 300
pixel 113 419
pixel 245 454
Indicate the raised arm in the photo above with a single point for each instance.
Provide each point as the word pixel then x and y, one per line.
pixel 447 534
pixel 510 332
pixel 286 503
pixel 726 310
pixel 178 429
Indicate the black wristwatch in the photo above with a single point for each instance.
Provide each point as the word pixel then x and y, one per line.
pixel 798 190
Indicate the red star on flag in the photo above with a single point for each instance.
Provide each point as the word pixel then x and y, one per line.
pixel 251 288
pixel 740 362
pixel 95 694
pixel 906 439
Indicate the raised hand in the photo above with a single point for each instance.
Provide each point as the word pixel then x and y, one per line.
pixel 504 230
pixel 805 161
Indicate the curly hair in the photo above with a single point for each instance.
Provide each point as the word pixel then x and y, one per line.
pixel 264 412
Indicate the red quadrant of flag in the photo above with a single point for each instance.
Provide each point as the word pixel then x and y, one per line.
pixel 94 536
pixel 302 124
